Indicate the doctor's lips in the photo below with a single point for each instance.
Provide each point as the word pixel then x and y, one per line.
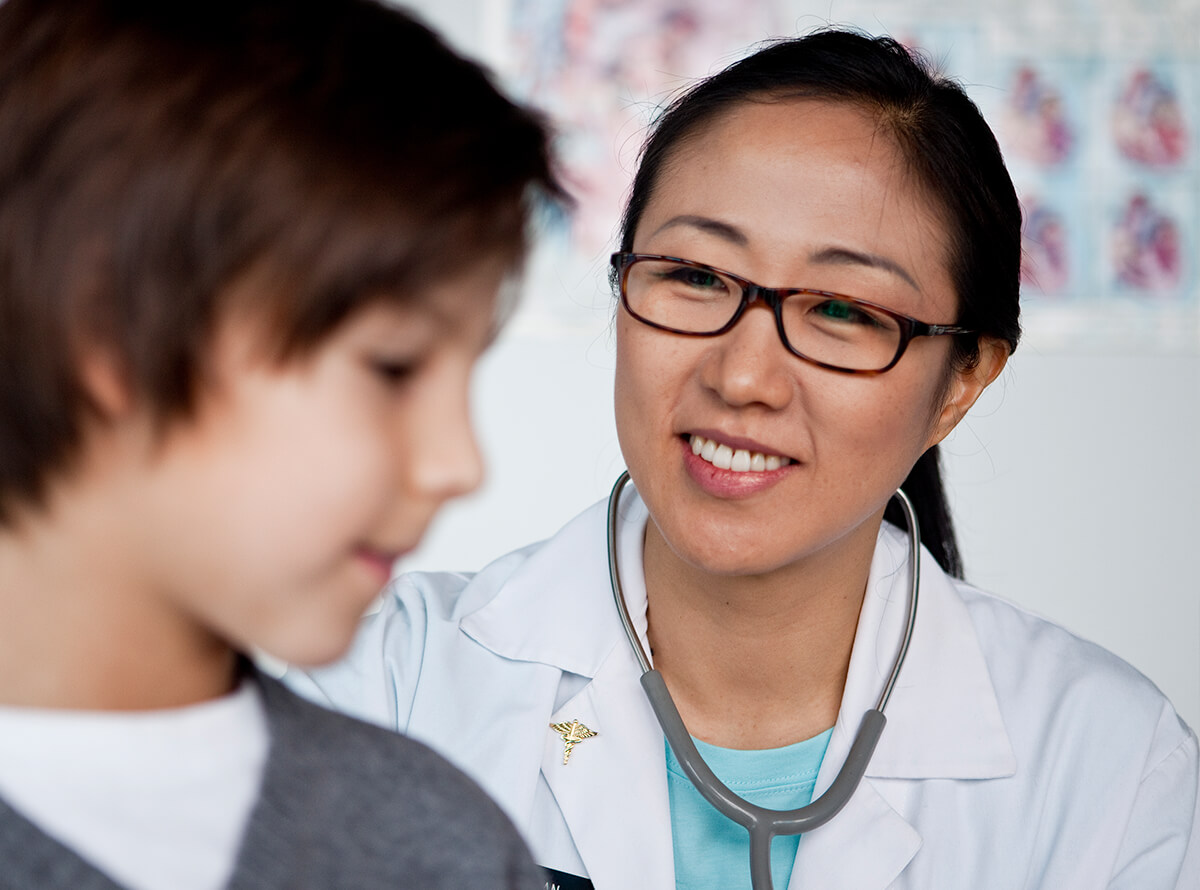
pixel 739 460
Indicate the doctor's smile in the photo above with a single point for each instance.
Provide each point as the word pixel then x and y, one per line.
pixel 735 457
pixel 732 468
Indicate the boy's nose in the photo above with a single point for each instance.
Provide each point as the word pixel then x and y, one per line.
pixel 446 461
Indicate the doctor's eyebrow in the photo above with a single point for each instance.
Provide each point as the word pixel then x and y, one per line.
pixel 842 256
pixel 829 256
pixel 722 230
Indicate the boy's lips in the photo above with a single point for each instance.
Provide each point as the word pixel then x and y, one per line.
pixel 380 560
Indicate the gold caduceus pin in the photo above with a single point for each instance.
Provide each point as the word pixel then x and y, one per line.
pixel 572 734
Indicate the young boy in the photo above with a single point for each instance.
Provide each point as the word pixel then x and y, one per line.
pixel 249 253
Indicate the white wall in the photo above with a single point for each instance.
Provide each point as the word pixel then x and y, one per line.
pixel 1075 481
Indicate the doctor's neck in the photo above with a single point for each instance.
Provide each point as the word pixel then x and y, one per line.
pixel 757 660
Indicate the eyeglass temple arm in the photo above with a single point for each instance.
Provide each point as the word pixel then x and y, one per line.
pixel 921 329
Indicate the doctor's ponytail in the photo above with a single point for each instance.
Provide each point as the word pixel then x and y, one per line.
pixel 924 488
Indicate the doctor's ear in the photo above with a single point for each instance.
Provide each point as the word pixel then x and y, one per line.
pixel 967 384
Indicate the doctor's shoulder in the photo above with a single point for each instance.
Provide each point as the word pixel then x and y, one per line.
pixel 1095 734
pixel 417 616
pixel 1036 663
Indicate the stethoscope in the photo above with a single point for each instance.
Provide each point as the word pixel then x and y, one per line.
pixel 762 823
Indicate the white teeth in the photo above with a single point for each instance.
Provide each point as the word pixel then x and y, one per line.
pixel 740 461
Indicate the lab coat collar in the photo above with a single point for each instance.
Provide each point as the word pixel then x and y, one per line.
pixel 572 626
pixel 943 719
pixel 613 792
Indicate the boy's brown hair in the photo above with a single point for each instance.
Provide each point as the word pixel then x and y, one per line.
pixel 154 154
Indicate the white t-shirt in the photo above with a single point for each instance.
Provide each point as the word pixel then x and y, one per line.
pixel 155 799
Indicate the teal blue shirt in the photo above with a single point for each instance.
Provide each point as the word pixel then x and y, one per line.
pixel 713 853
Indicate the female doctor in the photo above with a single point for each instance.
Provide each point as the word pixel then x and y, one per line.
pixel 818 276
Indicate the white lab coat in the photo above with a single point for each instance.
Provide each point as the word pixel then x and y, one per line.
pixel 1015 755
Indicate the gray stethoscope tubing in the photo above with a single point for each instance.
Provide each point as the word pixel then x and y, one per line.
pixel 762 823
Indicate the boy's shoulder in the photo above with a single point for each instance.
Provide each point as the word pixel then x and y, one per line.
pixel 345 803
pixel 342 804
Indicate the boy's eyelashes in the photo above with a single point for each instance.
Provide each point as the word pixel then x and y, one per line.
pixel 394 371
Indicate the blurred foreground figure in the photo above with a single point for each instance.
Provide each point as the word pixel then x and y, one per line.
pixel 249 254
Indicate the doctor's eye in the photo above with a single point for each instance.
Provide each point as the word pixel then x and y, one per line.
pixel 690 276
pixel 848 312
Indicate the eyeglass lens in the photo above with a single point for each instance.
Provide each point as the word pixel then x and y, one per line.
pixel 827 328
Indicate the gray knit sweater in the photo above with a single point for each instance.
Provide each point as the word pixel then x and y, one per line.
pixel 342 805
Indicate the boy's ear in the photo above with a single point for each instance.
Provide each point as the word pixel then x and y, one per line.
pixel 105 384
pixel 967 385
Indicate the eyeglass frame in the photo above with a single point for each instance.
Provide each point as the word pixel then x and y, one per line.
pixel 773 297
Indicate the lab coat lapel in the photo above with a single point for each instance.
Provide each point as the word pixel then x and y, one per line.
pixel 868 844
pixel 496 720
pixel 864 847
pixel 613 792
pixel 553 614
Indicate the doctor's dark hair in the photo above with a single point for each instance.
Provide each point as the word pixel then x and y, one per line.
pixel 166 165
pixel 950 151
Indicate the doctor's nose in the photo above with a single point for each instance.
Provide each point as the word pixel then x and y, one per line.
pixel 748 364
